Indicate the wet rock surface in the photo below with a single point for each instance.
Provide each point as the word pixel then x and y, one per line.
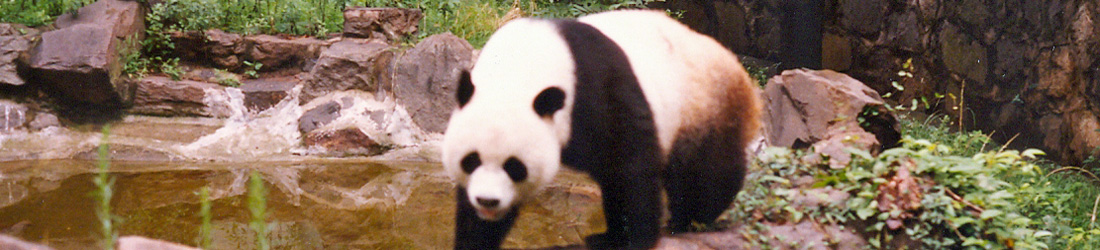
pixel 360 64
pixel 261 94
pixel 162 96
pixel 318 116
pixel 426 78
pixel 15 116
pixel 378 125
pixel 344 142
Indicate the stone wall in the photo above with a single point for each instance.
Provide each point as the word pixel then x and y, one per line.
pixel 1023 67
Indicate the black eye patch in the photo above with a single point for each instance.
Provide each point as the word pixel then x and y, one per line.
pixel 465 89
pixel 470 162
pixel 548 101
pixel 515 169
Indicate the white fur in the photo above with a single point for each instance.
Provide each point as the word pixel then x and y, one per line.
pixel 674 65
pixel 523 58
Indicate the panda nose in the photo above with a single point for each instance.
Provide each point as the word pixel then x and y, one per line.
pixel 488 202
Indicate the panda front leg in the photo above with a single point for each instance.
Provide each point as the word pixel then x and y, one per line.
pixel 632 208
pixel 471 232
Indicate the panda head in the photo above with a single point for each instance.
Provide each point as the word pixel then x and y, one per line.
pixel 504 139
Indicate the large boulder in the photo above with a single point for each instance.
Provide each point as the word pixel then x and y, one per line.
pixel 214 46
pixel 351 64
pixel 79 60
pixel 15 42
pixel 277 52
pixel 390 24
pixel 426 79
pixel 158 95
pixel 262 94
pixel 828 111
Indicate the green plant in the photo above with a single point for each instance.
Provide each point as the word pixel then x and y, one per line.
pixel 980 200
pixel 227 79
pixel 171 67
pixel 204 213
pixel 251 68
pixel 760 73
pixel 257 206
pixel 37 13
pixel 103 193
pixel 133 64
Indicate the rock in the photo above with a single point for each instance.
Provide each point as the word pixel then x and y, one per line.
pixel 381 120
pixel 275 52
pixel 318 116
pixel 79 61
pixel 76 62
pixel 225 48
pixel 822 109
pixel 962 54
pixel 14 45
pixel 13 116
pixel 426 76
pixel 42 121
pixel 261 94
pixel 120 152
pixel 24 117
pixel 864 16
pixel 158 95
pixel 351 64
pixel 903 32
pixel 12 243
pixel 200 74
pixel 812 235
pixel 836 52
pixel 391 24
pixel 140 243
pixel 125 18
pixel 343 142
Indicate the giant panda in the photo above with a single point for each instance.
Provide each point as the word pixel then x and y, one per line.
pixel 634 99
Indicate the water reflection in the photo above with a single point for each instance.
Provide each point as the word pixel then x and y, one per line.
pixel 314 204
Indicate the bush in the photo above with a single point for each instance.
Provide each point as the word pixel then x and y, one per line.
pixel 37 12
pixel 920 193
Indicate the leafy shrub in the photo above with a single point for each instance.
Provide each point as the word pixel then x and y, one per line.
pixel 296 17
pixel 37 12
pixel 922 193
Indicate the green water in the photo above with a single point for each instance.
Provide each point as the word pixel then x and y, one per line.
pixel 329 204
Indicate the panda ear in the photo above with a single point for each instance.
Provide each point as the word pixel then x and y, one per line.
pixel 549 101
pixel 465 89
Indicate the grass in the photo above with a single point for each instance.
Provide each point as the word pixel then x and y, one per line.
pixel 37 12
pixel 257 206
pixel 204 213
pixel 103 194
